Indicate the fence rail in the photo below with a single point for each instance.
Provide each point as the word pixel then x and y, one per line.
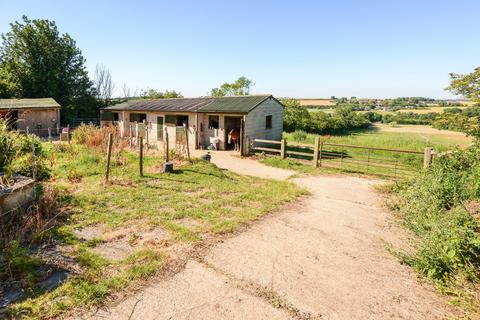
pixel 371 160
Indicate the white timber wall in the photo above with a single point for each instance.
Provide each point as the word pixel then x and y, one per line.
pixel 152 127
pixel 255 121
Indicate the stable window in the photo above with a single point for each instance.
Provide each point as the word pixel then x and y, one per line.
pixel 213 122
pixel 170 120
pixel 137 117
pixel 181 120
pixel 268 122
pixel 115 116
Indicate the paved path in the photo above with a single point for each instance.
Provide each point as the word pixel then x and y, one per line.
pixel 322 258
pixel 231 161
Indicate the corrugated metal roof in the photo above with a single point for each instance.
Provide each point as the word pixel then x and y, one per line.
pixel 8 104
pixel 241 104
pixel 237 104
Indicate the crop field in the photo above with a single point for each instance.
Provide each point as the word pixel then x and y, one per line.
pixel 317 102
pixel 435 109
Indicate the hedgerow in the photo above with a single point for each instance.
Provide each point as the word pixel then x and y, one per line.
pixel 442 208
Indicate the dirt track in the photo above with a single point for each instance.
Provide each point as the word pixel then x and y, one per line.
pixel 324 257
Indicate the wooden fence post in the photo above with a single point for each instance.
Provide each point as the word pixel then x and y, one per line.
pixel 315 151
pixel 141 156
pixel 109 155
pixel 58 129
pixel 283 147
pixel 68 133
pixel 28 130
pixel 242 137
pixel 49 134
pixel 34 168
pixel 427 157
pixel 167 152
pixel 146 135
pixel 130 136
pixel 137 134
pixel 185 129
pixel 320 154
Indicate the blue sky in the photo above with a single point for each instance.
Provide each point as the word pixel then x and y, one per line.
pixel 289 48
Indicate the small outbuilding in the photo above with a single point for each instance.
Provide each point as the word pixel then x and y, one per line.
pixel 207 118
pixel 35 114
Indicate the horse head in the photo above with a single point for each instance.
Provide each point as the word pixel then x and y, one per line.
pixel 229 136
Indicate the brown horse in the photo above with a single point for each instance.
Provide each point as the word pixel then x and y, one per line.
pixel 234 135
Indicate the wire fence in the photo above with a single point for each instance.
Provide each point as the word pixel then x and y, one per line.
pixel 393 163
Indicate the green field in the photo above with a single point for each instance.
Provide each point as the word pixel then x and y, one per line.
pixel 407 137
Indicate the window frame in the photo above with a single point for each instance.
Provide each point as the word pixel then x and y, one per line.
pixel 210 126
pixel 268 121
pixel 137 117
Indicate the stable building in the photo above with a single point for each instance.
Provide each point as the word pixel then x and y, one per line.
pixel 256 116
pixel 33 115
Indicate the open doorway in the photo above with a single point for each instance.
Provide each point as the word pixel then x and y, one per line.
pixel 231 123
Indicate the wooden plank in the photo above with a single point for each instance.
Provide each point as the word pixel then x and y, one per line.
pixel 300 153
pixel 267 141
pixel 266 149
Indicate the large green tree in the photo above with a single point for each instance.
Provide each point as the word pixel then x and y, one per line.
pixel 467 85
pixel 37 61
pixel 241 87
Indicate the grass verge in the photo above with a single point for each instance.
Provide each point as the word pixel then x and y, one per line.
pixel 197 200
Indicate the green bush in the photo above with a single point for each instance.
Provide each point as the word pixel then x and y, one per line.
pixel 7 148
pixel 434 207
pixel 81 134
pixel 299 136
pixel 16 154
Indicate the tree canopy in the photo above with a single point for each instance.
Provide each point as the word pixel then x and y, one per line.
pixel 467 85
pixel 36 61
pixel 241 87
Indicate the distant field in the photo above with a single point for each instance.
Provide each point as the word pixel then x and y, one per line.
pixel 435 109
pixel 317 102
pixel 430 109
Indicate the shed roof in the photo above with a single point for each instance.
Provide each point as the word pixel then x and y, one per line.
pixel 40 103
pixel 236 104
